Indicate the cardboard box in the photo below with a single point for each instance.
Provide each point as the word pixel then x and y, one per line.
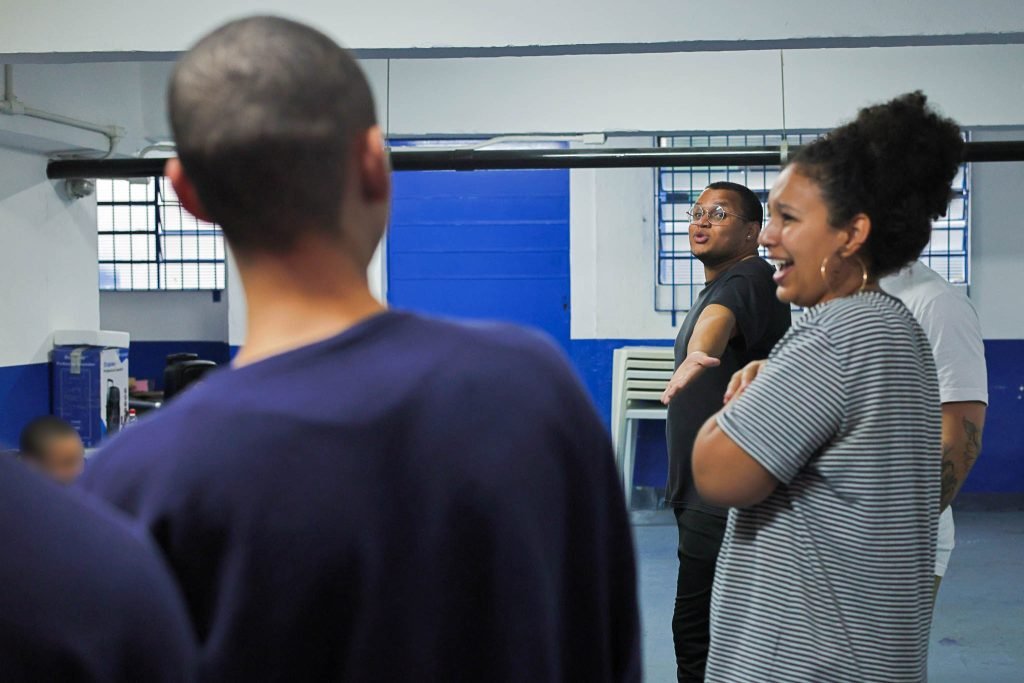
pixel 90 383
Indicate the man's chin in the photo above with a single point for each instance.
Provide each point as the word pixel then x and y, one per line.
pixel 708 258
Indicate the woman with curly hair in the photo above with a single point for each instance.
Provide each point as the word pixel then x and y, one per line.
pixel 829 451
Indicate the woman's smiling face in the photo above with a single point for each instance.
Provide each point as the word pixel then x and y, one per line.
pixel 799 238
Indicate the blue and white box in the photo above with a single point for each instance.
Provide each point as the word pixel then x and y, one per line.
pixel 90 381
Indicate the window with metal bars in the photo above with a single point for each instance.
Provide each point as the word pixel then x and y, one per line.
pixel 148 241
pixel 680 276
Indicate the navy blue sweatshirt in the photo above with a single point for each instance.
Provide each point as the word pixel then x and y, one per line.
pixel 411 500
pixel 82 596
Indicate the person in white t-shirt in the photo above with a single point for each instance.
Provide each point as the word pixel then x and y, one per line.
pixel 952 326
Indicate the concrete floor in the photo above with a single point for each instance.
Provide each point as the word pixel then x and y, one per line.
pixel 978 633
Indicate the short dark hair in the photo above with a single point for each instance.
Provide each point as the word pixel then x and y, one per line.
pixel 264 111
pixel 894 163
pixel 750 203
pixel 39 432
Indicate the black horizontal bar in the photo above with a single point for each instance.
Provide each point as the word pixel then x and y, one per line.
pixel 472 160
pixel 493 159
pixel 483 159
pixel 1001 150
pixel 105 168
pixel 159 233
pixel 154 233
pixel 160 262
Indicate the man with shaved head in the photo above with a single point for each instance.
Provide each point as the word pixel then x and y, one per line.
pixel 54 447
pixel 366 495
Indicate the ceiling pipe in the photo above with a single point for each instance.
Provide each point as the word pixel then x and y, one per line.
pixel 484 159
pixel 12 106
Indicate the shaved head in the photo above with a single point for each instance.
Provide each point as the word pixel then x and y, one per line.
pixel 265 112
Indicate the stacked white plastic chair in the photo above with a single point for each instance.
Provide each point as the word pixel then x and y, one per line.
pixel 639 376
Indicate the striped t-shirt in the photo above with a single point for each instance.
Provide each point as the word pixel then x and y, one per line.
pixel 830 578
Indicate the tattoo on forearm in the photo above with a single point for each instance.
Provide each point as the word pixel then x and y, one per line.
pixel 973 446
pixel 950 483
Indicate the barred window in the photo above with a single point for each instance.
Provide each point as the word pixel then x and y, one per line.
pixel 680 276
pixel 148 241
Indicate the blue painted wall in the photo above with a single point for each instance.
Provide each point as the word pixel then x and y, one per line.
pixel 1001 465
pixel 496 245
pixel 1000 469
pixel 592 359
pixel 488 244
pixel 25 391
pixel 24 395
pixel 146 359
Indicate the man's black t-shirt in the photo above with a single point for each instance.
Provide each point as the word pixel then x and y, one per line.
pixel 748 291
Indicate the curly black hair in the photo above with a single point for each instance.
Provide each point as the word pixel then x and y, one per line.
pixel 893 163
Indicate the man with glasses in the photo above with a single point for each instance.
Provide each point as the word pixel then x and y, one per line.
pixel 735 319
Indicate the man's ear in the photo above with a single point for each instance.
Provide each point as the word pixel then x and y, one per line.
pixel 185 190
pixel 373 166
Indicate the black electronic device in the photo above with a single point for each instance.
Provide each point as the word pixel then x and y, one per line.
pixel 183 369
pixel 113 408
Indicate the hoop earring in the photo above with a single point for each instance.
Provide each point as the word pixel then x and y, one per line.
pixel 863 275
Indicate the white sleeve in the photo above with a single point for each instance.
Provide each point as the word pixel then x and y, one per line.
pixel 954 333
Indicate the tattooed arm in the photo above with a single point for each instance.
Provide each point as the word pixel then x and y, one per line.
pixel 962 423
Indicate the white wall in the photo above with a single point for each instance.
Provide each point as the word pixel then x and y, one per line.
pixel 166 316
pixel 741 90
pixel 612 234
pixel 997 241
pixel 235 294
pixel 978 85
pixel 106 26
pixel 585 93
pixel 109 94
pixel 376 273
pixel 613 250
pixel 579 93
pixel 47 260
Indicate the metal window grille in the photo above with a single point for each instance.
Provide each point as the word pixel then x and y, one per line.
pixel 949 251
pixel 148 241
pixel 680 277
